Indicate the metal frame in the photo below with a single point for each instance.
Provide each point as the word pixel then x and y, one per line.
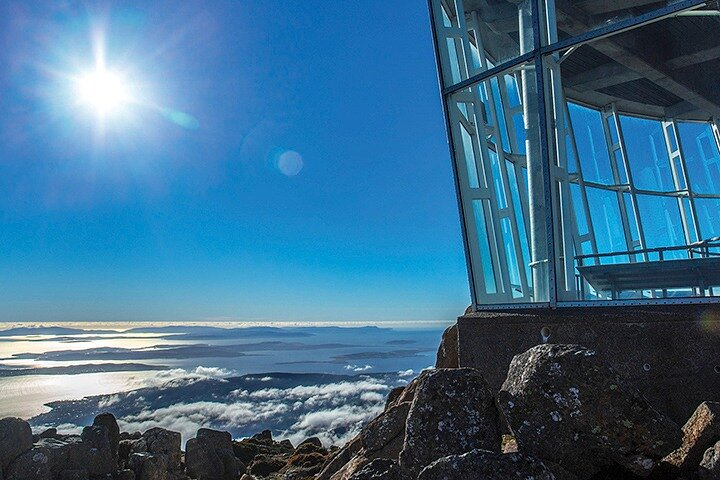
pixel 470 103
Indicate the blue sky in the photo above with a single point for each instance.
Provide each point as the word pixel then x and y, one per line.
pixel 189 205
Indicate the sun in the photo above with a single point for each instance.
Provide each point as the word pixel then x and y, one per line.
pixel 102 90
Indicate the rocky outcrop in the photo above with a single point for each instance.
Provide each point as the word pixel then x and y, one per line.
pixel 384 436
pixel 488 466
pixel 699 434
pixel 566 416
pixel 710 464
pixel 15 439
pixel 209 456
pixel 380 469
pixel 453 412
pixel 108 421
pixel 447 354
pixel 566 405
pixel 155 455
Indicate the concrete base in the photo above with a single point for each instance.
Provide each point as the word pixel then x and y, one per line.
pixel 670 353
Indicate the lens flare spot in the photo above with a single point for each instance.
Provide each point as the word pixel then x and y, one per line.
pixel 290 163
pixel 182 119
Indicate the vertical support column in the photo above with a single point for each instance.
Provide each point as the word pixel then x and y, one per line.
pixel 640 243
pixel 531 86
pixel 620 184
pixel 681 180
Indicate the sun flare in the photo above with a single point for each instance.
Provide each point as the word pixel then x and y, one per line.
pixel 104 91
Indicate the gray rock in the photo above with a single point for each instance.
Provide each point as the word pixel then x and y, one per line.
pixel 147 466
pixel 565 405
pixel 453 412
pixel 31 465
pixel 97 451
pixel 160 443
pixel 49 433
pixel 264 465
pixel 108 421
pixel 339 459
pixel 384 436
pixel 699 434
pixel 710 464
pixel 209 456
pixel 355 464
pixel 73 475
pixel 380 469
pixel 315 441
pixel 447 354
pixel 484 465
pixel 124 474
pixel 15 439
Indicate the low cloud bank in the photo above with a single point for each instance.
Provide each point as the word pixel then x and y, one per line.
pixel 294 406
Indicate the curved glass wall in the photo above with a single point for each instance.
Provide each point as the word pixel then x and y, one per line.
pixel 586 148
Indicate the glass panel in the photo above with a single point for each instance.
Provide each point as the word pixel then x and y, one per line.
pixel 486 259
pixel 508 217
pixel 592 148
pixel 661 222
pixel 647 153
pixel 701 155
pixel 511 258
pixel 605 214
pixel 708 210
pixel 469 155
pixel 480 35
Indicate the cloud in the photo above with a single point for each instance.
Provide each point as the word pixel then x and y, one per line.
pixel 335 411
pixel 179 377
pixel 356 368
pixel 406 373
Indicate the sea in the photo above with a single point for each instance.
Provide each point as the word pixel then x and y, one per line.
pixel 299 380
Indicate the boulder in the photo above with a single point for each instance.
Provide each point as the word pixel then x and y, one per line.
pixel 264 465
pixel 73 475
pixel 485 465
pixel 565 405
pixel 260 444
pixel 97 452
pixel 393 396
pixel 162 443
pixel 147 466
pixel 15 439
pixel 384 436
pixel 311 444
pixel 710 463
pixel 355 464
pixel 447 354
pixel 67 453
pixel 124 474
pixel 48 433
pixel 32 465
pixel 339 459
pixel 108 421
pixel 408 393
pixel 303 465
pixel 209 456
pixel 155 455
pixel 453 412
pixel 699 433
pixel 380 469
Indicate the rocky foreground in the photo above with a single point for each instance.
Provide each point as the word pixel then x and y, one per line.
pixel 561 414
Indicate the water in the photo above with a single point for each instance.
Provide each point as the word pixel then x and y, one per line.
pixel 193 375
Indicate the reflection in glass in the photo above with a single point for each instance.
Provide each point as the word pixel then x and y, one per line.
pixel 504 220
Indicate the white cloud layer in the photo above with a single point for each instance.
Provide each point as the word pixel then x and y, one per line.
pixel 334 412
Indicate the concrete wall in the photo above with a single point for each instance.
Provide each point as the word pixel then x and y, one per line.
pixel 670 353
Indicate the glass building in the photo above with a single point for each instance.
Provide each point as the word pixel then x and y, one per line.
pixel 585 137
